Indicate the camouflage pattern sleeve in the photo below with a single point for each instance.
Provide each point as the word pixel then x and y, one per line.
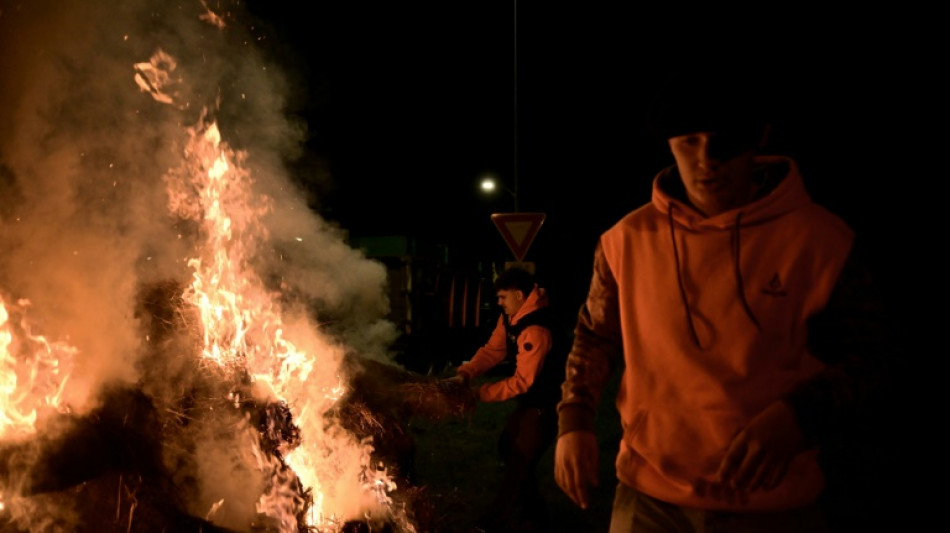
pixel 596 351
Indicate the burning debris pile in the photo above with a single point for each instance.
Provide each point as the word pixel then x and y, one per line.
pixel 202 352
pixel 134 460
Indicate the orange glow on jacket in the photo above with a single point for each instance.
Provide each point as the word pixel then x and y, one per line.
pixel 533 346
pixel 725 335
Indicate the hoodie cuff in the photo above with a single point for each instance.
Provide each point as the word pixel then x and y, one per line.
pixel 574 417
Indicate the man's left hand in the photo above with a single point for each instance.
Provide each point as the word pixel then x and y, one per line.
pixel 758 457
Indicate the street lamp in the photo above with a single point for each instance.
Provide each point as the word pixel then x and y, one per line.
pixel 489 184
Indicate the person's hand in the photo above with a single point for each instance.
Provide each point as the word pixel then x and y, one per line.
pixel 575 465
pixel 459 386
pixel 457 379
pixel 758 456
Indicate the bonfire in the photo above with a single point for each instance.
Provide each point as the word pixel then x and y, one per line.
pixel 237 402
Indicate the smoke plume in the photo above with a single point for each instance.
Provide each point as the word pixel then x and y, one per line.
pixel 96 100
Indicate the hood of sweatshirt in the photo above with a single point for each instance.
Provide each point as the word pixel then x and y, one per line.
pixel 782 190
pixel 536 300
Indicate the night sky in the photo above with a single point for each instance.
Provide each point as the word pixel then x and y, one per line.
pixel 407 105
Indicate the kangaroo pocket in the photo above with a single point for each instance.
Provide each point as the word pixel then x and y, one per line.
pixel 683 445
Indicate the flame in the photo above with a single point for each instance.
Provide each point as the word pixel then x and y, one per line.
pixel 247 330
pixel 33 374
pixel 325 473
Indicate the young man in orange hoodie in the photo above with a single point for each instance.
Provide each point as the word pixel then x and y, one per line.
pixel 743 320
pixel 523 339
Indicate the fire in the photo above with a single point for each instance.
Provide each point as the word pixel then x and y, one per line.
pixel 241 388
pixel 325 473
pixel 33 374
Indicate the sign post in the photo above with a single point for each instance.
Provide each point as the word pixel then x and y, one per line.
pixel 518 230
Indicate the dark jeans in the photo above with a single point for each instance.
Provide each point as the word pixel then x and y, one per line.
pixel 635 512
pixel 527 434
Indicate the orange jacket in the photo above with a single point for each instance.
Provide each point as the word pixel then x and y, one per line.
pixel 534 343
pixel 709 316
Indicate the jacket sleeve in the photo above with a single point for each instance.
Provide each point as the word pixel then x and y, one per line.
pixel 597 350
pixel 534 343
pixel 489 355
pixel 851 336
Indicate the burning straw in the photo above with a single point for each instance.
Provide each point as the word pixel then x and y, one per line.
pixel 438 400
pixel 388 387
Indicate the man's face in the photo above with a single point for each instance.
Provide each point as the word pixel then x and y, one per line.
pixel 716 170
pixel 510 300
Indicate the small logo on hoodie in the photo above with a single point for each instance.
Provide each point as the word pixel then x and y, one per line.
pixel 775 287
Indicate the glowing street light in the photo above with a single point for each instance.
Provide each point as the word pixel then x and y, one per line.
pixel 488 183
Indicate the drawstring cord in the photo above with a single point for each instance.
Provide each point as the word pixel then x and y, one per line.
pixel 679 280
pixel 739 286
pixel 738 272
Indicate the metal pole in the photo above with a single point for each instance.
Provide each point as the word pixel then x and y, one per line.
pixel 515 180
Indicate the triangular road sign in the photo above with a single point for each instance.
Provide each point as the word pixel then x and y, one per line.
pixel 518 230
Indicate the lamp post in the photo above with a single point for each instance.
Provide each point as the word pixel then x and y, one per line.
pixel 515 95
pixel 489 183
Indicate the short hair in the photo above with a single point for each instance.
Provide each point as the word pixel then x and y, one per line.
pixel 515 278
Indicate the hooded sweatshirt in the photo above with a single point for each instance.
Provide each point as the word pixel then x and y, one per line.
pixel 533 344
pixel 710 316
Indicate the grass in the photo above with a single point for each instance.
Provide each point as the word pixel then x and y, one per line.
pixel 457 464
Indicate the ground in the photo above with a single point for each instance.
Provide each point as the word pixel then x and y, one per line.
pixel 457 464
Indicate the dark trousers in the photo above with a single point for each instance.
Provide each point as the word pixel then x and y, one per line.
pixel 528 433
pixel 635 512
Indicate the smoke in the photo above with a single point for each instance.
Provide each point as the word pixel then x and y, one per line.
pixel 84 222
pixel 92 128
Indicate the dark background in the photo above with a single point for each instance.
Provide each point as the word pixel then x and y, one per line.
pixel 407 105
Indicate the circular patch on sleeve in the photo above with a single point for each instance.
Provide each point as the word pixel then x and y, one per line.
pixel 528 347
